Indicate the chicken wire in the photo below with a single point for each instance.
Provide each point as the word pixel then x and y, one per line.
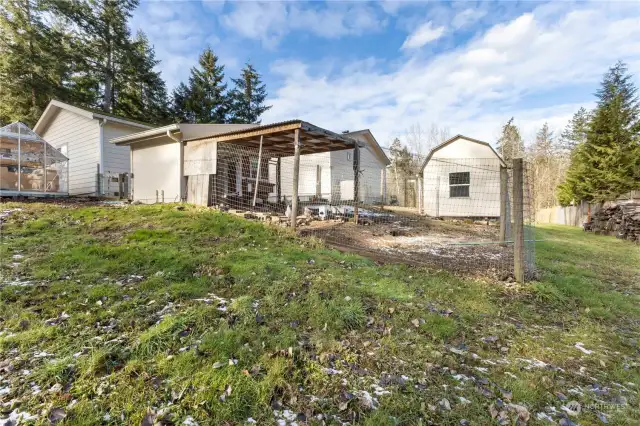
pixel 342 200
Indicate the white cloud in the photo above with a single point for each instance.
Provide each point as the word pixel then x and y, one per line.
pixel 476 87
pixel 424 34
pixel 467 17
pixel 269 22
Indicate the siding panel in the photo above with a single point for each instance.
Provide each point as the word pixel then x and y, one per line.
pixel 81 135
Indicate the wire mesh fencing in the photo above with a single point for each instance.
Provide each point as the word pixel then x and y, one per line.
pixel 465 219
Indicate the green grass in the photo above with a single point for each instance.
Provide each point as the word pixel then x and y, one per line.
pixel 202 314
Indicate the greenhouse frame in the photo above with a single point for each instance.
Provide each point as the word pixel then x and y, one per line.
pixel 29 166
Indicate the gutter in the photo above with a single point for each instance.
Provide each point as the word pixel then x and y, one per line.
pixel 145 135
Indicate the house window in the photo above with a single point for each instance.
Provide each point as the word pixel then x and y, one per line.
pixel 459 184
pixel 348 156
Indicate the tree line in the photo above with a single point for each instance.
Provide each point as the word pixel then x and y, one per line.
pixel 83 53
pixel 596 157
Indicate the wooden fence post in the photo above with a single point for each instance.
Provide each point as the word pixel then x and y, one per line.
pixel 504 190
pixel 518 222
pixel 296 176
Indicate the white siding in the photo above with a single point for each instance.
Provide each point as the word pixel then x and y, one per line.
pixel 483 167
pixel 116 158
pixel 81 135
pixel 308 177
pixel 156 166
pixel 371 176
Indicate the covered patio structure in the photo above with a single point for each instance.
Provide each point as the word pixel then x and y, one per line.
pixel 247 165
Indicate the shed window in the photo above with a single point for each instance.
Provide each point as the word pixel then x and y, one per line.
pixel 459 184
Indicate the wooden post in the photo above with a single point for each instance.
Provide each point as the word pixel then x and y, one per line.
pixel 278 179
pixel 356 181
pixel 296 175
pixel 255 190
pixel 518 215
pixel 120 186
pixel 157 196
pixel 20 157
pixel 504 190
pixel 44 169
pixel 125 186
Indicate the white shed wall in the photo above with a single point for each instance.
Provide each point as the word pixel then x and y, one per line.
pixel 371 176
pixel 156 166
pixel 116 159
pixel 81 135
pixel 484 171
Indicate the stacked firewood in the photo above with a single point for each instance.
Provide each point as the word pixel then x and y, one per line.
pixel 621 220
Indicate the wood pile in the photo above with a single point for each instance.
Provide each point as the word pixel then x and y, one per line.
pixel 621 220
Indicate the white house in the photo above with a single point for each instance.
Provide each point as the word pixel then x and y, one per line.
pixel 329 175
pixel 204 163
pixel 461 178
pixel 82 135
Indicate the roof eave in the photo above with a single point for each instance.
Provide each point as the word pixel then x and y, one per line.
pixel 144 135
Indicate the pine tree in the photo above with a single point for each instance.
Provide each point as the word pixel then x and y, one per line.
pixel 510 144
pixel 607 164
pixel 575 132
pixel 207 101
pixel 179 105
pixel 246 100
pixel 143 95
pixel 102 47
pixel 32 61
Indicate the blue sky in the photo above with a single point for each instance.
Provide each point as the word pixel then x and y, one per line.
pixel 390 66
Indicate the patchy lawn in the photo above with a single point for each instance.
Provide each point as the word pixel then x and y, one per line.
pixel 148 314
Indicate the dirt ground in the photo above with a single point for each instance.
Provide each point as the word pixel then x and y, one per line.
pixel 456 245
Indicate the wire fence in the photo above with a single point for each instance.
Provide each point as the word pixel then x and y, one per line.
pixel 465 220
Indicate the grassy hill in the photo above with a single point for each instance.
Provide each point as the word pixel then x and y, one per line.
pixel 153 315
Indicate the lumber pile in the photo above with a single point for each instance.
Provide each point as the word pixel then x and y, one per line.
pixel 621 220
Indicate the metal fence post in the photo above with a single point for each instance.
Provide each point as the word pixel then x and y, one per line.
pixel 356 181
pixel 518 214
pixel 504 189
pixel 98 183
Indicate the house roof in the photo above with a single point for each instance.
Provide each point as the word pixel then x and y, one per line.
pixel 453 139
pixel 376 146
pixel 55 106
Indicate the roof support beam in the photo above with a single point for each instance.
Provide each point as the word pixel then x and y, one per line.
pixel 296 175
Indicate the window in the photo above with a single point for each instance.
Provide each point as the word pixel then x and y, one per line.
pixel 348 156
pixel 459 184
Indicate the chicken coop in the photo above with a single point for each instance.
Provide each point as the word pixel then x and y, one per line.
pixel 29 166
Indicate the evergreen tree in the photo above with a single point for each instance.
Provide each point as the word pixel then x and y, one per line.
pixel 575 132
pixel 102 46
pixel 510 144
pixel 207 101
pixel 179 105
pixel 143 95
pixel 607 164
pixel 246 100
pixel 32 61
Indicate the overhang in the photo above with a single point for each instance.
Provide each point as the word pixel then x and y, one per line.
pixel 278 138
